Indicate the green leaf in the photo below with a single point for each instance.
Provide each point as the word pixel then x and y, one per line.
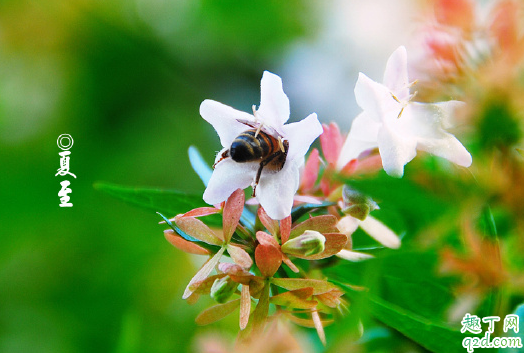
pixel 217 312
pixel 404 293
pixel 301 210
pixel 319 286
pixel 417 206
pixel 430 334
pixel 199 165
pixel 170 202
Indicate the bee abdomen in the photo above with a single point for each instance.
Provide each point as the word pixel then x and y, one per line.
pixel 246 147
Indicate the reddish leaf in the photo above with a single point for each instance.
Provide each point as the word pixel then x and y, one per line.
pixel 197 229
pixel 232 212
pixel 245 306
pixel 270 224
pixel 285 229
pixel 182 244
pixel 266 239
pixel 321 224
pixel 318 286
pixel 200 212
pixel 204 286
pixel 290 264
pixel 267 254
pixel 319 327
pixel 295 299
pixel 331 298
pixel 203 272
pixel 240 256
pixel 310 173
pixel 217 312
pixel 237 273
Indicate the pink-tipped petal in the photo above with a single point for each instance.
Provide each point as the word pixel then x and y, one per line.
pixel 310 173
pixel 331 142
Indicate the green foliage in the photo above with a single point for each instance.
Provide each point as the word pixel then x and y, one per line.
pixel 498 127
pixel 170 202
pixel 403 292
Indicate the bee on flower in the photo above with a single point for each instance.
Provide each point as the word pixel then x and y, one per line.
pixel 260 149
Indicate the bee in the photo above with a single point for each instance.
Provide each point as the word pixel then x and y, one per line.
pixel 258 144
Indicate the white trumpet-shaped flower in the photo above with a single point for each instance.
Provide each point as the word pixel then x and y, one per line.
pixel 275 189
pixel 398 126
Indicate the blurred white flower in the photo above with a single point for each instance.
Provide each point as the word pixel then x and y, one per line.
pixel 275 189
pixel 398 126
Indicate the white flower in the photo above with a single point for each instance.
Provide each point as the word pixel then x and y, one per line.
pixel 398 126
pixel 275 190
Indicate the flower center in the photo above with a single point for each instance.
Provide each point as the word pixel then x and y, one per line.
pixel 406 102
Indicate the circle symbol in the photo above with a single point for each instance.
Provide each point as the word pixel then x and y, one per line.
pixel 65 141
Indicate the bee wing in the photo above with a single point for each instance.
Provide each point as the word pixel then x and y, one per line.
pixel 255 125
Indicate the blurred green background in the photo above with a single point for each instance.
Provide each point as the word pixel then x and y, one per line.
pixel 125 79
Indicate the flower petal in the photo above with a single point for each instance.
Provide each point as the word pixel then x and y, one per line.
pixel 310 173
pixel 375 99
pixel 275 191
pixel 361 137
pixel 301 135
pixel 353 256
pixel 225 120
pixel 446 146
pixel 396 74
pixel 426 122
pixel 347 225
pixel 380 232
pixel 395 150
pixel 274 103
pixel 227 177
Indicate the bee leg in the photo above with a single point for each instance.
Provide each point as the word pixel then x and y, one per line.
pixel 259 172
pixel 224 155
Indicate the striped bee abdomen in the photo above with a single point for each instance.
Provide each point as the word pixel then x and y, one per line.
pixel 246 147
